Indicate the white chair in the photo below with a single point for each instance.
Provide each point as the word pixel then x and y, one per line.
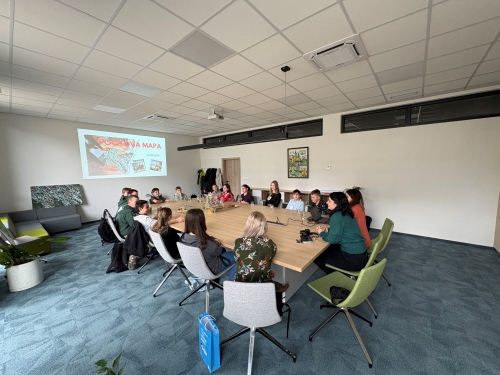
pixel 257 200
pixel 162 250
pixel 252 305
pixel 194 261
pixel 111 223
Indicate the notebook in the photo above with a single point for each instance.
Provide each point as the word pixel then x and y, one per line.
pixel 317 216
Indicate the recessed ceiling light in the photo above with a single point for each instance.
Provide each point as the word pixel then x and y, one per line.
pixel 105 108
pixel 142 89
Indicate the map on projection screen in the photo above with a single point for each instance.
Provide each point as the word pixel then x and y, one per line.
pixel 115 155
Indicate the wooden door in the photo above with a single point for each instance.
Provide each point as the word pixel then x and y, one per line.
pixel 231 174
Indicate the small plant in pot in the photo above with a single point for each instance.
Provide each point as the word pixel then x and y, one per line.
pixel 24 270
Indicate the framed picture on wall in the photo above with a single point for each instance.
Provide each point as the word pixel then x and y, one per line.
pixel 298 162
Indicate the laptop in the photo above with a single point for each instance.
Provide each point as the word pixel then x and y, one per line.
pixel 316 216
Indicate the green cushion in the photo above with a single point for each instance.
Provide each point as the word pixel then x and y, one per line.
pixel 9 225
pixel 31 229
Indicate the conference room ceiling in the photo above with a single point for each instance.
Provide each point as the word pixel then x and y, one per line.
pixel 115 62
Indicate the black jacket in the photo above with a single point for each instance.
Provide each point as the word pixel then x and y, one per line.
pixel 136 242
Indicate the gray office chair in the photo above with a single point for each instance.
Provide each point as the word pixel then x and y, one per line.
pixel 252 305
pixel 257 200
pixel 174 263
pixel 193 260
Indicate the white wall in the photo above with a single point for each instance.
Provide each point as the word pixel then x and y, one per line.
pixel 38 151
pixel 438 180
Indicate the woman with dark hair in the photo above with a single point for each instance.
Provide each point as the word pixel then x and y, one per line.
pixel 195 234
pixel 168 234
pixel 347 249
pixel 246 197
pixel 226 194
pixel 274 196
pixel 355 199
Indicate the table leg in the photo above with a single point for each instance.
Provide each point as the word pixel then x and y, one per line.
pixel 295 279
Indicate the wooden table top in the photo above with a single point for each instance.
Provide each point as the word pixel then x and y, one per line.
pixel 228 223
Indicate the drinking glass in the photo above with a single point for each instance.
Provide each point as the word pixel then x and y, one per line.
pixel 252 204
pixel 271 207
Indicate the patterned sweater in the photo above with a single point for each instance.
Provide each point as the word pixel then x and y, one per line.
pixel 253 259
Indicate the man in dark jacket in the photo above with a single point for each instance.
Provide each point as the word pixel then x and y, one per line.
pixel 125 216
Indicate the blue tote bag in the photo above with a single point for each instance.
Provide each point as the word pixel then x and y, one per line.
pixel 209 341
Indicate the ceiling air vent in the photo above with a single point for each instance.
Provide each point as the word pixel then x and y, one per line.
pixel 157 117
pixel 338 54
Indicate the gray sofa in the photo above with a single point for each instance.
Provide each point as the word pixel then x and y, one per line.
pixel 59 219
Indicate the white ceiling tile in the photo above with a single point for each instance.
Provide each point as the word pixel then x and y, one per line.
pixel 48 44
pixel 214 98
pixel 41 62
pixel 445 87
pixel 403 85
pixel 311 82
pixel 283 13
pixel 89 88
pixel 318 112
pixel 494 52
pixel 189 90
pixel 488 67
pixel 236 68
pixel 356 70
pixel 333 100
pixel 152 23
pixel 33 103
pixel 235 105
pixel 357 84
pixel 401 32
pixel 456 14
pixel 319 30
pixel 19 104
pixel 238 26
pixel 398 57
pixel 278 92
pixel 120 104
pixel 99 78
pixel 272 52
pixel 4 52
pixel 323 92
pixel 298 68
pixel 366 14
pixel 370 101
pixel 80 96
pixel 68 109
pixel 306 106
pixel 363 94
pixel 255 99
pixel 4 69
pixel 235 91
pixel 28 110
pixel 271 106
pixel 36 87
pixel 341 107
pixel 405 95
pixel 450 75
pixel 39 76
pixel 401 74
pixel 176 66
pixel 59 19
pixel 97 115
pixel 455 60
pixel 153 104
pixel 261 81
pixel 5 8
pixel 33 95
pixel 464 38
pixel 155 79
pixel 75 103
pixel 251 110
pixel 265 114
pixel 180 110
pixel 170 97
pixel 196 104
pixel 97 8
pixel 127 97
pixel 111 64
pixel 209 80
pixel 58 117
pixel 118 43
pixel 194 11
pixel 4 30
pixel 489 79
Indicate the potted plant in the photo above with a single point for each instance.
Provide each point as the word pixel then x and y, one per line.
pixel 24 270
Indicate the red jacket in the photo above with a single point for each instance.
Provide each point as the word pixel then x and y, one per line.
pixel 359 215
pixel 227 197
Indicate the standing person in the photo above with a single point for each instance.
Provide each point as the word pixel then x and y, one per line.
pixel 226 194
pixel 179 195
pixel 347 249
pixel 296 203
pixel 318 202
pixel 168 234
pixel 156 196
pixel 274 195
pixel 246 196
pixel 125 216
pixel 143 217
pixel 195 234
pixel 355 199
pixel 124 197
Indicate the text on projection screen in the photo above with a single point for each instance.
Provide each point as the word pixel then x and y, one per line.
pixel 116 155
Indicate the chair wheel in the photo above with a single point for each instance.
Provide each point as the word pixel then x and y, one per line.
pixel 370 365
pixel 294 359
pixel 310 339
pixel 154 295
pixel 371 324
pixel 376 316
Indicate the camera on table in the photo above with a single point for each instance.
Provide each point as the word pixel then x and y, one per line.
pixel 304 235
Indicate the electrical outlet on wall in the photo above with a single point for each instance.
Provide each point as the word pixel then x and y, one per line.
pixel 327 167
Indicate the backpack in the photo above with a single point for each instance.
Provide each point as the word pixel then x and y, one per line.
pixel 119 259
pixel 105 231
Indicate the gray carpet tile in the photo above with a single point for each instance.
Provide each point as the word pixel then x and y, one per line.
pixel 440 316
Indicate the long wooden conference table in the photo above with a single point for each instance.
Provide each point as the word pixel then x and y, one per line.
pixel 293 262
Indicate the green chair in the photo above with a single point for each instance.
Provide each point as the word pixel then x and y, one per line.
pixel 386 232
pixel 360 290
pixel 375 247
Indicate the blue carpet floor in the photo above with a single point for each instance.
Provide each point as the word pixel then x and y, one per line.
pixel 441 316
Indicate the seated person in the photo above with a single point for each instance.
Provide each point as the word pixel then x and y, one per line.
pixel 347 249
pixel 296 203
pixel 133 192
pixel 156 196
pixel 179 195
pixel 274 195
pixel 215 190
pixel 168 234
pixel 195 234
pixel 143 217
pixel 125 216
pixel 246 197
pixel 318 202
pixel 226 195
pixel 355 199
pixel 124 197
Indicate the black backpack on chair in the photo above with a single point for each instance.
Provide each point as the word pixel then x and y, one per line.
pixel 368 222
pixel 105 231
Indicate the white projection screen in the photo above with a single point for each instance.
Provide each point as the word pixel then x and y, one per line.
pixel 115 155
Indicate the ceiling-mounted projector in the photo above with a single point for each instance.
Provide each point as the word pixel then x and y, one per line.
pixel 215 116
